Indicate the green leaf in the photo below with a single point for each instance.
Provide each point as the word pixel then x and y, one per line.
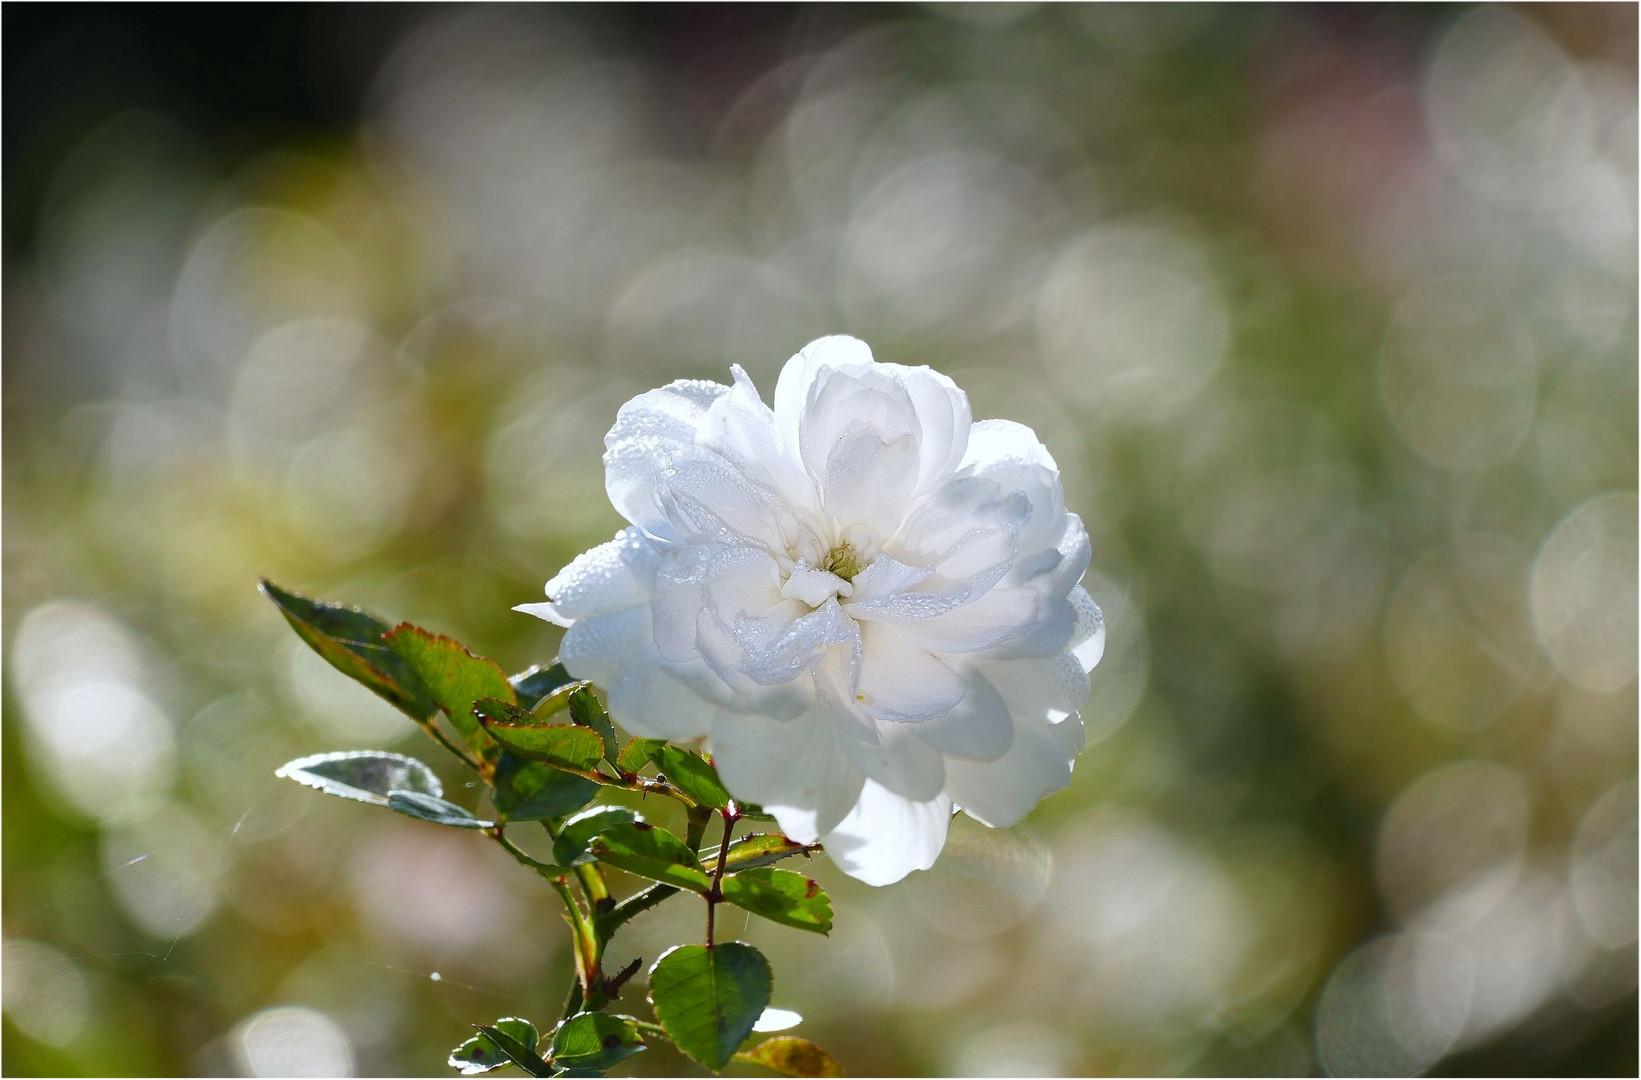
pixel 434 809
pixel 707 999
pixel 527 791
pixel 455 678
pixel 570 846
pixel 792 1056
pixel 557 701
pixel 781 896
pixel 595 1041
pixel 365 775
pixel 640 848
pixel 693 775
pixel 535 683
pixel 480 1055
pixel 518 1052
pixel 755 849
pixel 588 711
pixel 564 745
pixel 637 754
pixel 351 640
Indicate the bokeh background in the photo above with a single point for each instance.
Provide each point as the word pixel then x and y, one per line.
pixel 1329 315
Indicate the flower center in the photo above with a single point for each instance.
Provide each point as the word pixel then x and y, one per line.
pixel 844 561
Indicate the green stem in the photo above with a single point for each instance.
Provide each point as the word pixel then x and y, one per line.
pixel 546 870
pixel 638 903
pixel 586 943
pixel 431 726
pixel 591 878
pixel 716 894
pixel 699 818
pixel 572 1004
pixel 592 883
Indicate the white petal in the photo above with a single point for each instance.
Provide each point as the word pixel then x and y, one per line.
pixel 545 610
pixel 773 650
pixel 617 651
pixel 1047 688
pixel 994 443
pixel 662 473
pixel 980 728
pixel 773 1019
pixel 979 626
pixel 899 760
pixel 814 587
pixel 644 427
pixel 902 683
pixel 869 476
pixel 651 703
pixel 795 769
pixel 1011 456
pixel 611 576
pixel 887 836
pixel 999 793
pixel 792 388
pixel 831 394
pixel 1088 635
pixel 742 428
pixel 732 581
pixel 886 577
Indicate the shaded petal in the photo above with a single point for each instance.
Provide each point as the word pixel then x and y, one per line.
pixel 978 626
pixel 733 582
pixel 1042 695
pixel 617 652
pixel 980 728
pixel 999 793
pixel 1011 456
pixel 794 769
pixel 887 836
pixel 651 703
pixel 869 475
pixel 1048 688
pixel 898 760
pixel 1056 618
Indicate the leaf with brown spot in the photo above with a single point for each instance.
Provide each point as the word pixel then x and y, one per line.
pixel 455 678
pixel 781 896
pixel 792 1056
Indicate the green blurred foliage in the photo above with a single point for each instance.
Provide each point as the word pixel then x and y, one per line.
pixel 1328 316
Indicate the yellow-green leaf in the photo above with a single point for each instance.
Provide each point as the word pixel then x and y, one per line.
pixel 455 678
pixel 792 1056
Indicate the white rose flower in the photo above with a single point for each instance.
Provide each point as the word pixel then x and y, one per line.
pixel 864 604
